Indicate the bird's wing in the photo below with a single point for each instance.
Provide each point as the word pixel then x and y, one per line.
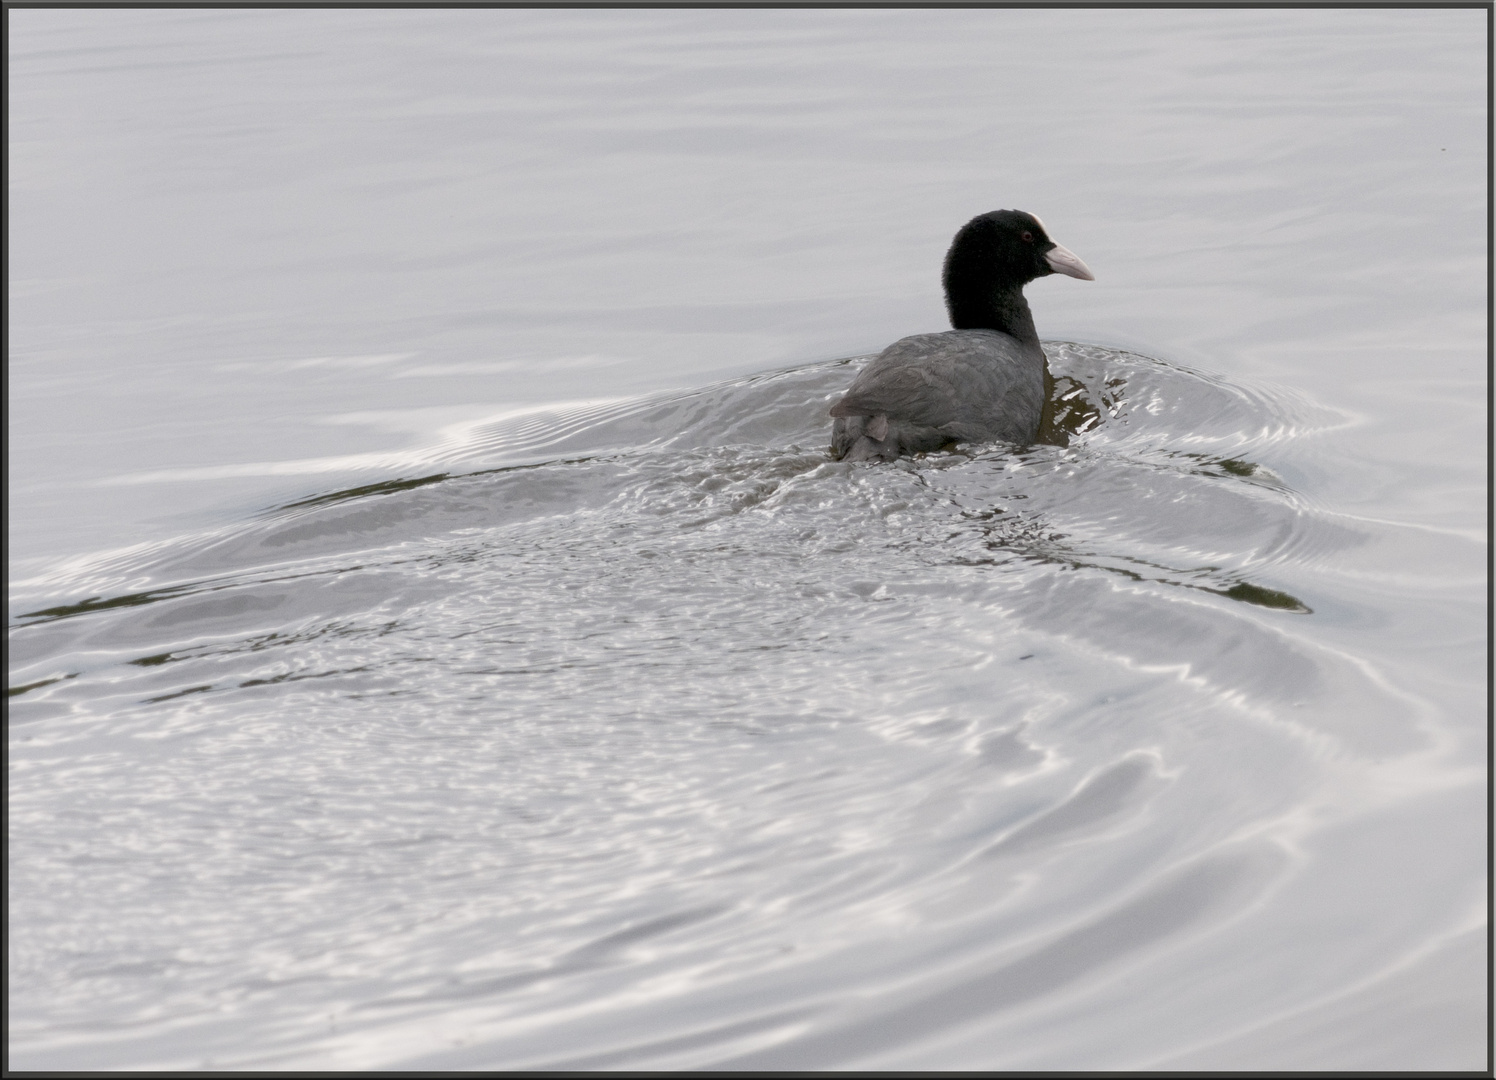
pixel 935 380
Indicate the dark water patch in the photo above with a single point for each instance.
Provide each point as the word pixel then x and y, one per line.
pixel 16 691
pixel 384 487
pixel 179 693
pixel 1078 406
pixel 1248 593
pixel 295 676
pixel 1019 535
pixel 98 603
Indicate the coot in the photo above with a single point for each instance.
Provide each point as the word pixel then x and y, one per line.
pixel 986 379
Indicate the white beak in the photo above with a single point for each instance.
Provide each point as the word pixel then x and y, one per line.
pixel 1064 261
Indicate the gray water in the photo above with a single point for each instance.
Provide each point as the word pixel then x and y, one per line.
pixel 439 637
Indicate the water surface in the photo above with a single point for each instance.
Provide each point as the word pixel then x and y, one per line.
pixel 440 639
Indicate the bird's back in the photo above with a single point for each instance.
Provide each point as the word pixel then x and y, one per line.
pixel 957 386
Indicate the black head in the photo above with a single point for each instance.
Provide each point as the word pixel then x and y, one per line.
pixel 995 254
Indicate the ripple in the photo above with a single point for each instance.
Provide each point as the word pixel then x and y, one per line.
pixel 625 704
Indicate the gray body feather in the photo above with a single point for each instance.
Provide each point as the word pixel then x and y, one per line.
pixel 930 390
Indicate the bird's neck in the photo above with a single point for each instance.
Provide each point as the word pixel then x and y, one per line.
pixel 1002 309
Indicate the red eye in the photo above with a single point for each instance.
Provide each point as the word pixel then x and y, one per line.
pixel 1028 238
